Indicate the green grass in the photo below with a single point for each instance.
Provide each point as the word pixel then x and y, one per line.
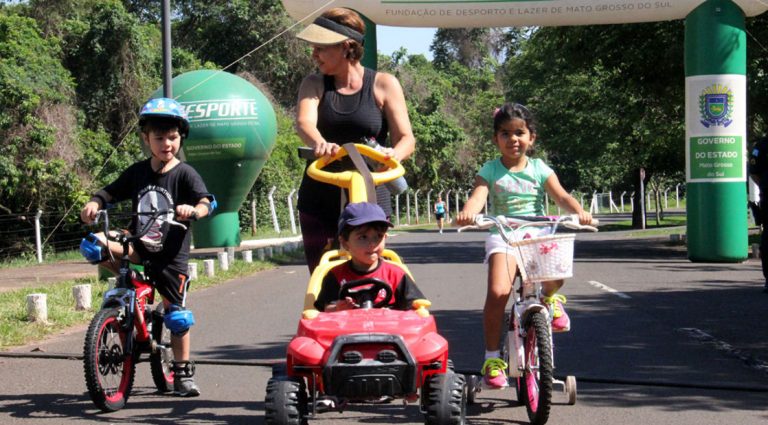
pixel 31 260
pixel 666 226
pixel 16 330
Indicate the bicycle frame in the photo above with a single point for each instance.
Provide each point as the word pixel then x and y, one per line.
pixel 124 328
pixel 131 294
pixel 528 343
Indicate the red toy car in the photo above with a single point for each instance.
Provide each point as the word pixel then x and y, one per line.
pixel 364 355
pixel 368 354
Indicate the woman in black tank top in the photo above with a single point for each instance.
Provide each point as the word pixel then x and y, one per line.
pixel 343 103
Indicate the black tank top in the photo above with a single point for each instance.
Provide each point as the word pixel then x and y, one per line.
pixel 344 119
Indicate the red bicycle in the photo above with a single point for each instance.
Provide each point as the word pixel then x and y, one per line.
pixel 126 328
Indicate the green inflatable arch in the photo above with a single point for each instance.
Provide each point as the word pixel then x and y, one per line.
pixel 715 68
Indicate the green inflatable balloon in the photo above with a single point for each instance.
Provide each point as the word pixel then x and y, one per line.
pixel 232 132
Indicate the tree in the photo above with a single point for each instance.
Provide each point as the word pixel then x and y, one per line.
pixel 37 123
pixel 610 100
pixel 39 133
pixel 757 76
pixel 225 31
pixel 472 47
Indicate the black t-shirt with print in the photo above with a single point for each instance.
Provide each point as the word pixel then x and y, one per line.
pixel 150 191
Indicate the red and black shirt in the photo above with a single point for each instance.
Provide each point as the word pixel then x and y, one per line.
pixel 404 289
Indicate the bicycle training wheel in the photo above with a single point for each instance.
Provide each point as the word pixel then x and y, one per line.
pixel 536 383
pixel 161 358
pixel 109 368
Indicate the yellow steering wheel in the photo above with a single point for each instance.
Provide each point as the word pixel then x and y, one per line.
pixel 352 180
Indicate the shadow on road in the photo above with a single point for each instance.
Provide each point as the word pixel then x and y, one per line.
pixel 263 351
pixel 66 407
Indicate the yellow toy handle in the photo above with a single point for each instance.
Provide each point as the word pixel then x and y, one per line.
pixel 352 180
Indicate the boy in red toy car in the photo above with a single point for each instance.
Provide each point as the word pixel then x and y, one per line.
pixel 363 232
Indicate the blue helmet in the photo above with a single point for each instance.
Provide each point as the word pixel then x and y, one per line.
pixel 163 107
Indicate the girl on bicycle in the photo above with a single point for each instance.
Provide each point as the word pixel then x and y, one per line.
pixel 515 185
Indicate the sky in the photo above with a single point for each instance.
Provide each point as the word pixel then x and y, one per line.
pixel 415 40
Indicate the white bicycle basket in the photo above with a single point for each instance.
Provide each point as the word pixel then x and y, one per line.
pixel 547 257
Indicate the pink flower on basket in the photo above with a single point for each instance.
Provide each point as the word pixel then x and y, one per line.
pixel 546 249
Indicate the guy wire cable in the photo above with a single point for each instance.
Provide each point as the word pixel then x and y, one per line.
pixel 133 124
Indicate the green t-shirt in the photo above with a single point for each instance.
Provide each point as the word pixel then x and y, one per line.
pixel 515 193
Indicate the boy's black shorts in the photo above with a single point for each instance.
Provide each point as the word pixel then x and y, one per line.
pixel 170 283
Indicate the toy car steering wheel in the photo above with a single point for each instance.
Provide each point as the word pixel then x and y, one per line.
pixel 365 297
pixel 352 180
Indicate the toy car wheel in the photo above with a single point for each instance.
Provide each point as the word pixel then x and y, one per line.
pixel 446 400
pixel 286 402
pixel 279 370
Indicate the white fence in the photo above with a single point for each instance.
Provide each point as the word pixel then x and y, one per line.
pixel 419 206
pixel 415 207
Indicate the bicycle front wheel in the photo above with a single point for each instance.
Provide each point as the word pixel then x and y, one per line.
pixel 536 383
pixel 109 367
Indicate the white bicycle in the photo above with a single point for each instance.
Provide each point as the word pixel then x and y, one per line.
pixel 526 347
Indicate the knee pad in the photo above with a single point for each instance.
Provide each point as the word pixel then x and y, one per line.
pixel 91 249
pixel 178 320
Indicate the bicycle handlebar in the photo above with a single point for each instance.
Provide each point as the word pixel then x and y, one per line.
pixel 569 221
pixel 154 215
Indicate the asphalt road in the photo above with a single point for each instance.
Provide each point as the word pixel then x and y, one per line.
pixel 655 339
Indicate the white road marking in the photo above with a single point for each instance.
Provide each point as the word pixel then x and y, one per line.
pixel 607 288
pixel 748 359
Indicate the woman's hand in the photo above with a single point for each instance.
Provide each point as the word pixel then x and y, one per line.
pixel 326 149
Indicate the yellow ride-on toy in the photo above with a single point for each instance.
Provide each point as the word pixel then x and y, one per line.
pixel 368 354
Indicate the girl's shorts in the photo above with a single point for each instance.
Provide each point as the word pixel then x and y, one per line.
pixel 495 244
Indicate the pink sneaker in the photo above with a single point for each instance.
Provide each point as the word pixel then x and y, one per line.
pixel 494 373
pixel 560 320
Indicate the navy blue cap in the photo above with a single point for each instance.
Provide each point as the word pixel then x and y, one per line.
pixel 362 213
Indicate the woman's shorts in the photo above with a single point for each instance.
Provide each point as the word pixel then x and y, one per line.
pixel 439 216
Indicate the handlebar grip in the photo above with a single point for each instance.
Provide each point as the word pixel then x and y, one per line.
pixel 306 153
pixel 575 218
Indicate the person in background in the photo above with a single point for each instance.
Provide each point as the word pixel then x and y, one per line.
pixel 758 171
pixel 440 213
pixel 343 102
